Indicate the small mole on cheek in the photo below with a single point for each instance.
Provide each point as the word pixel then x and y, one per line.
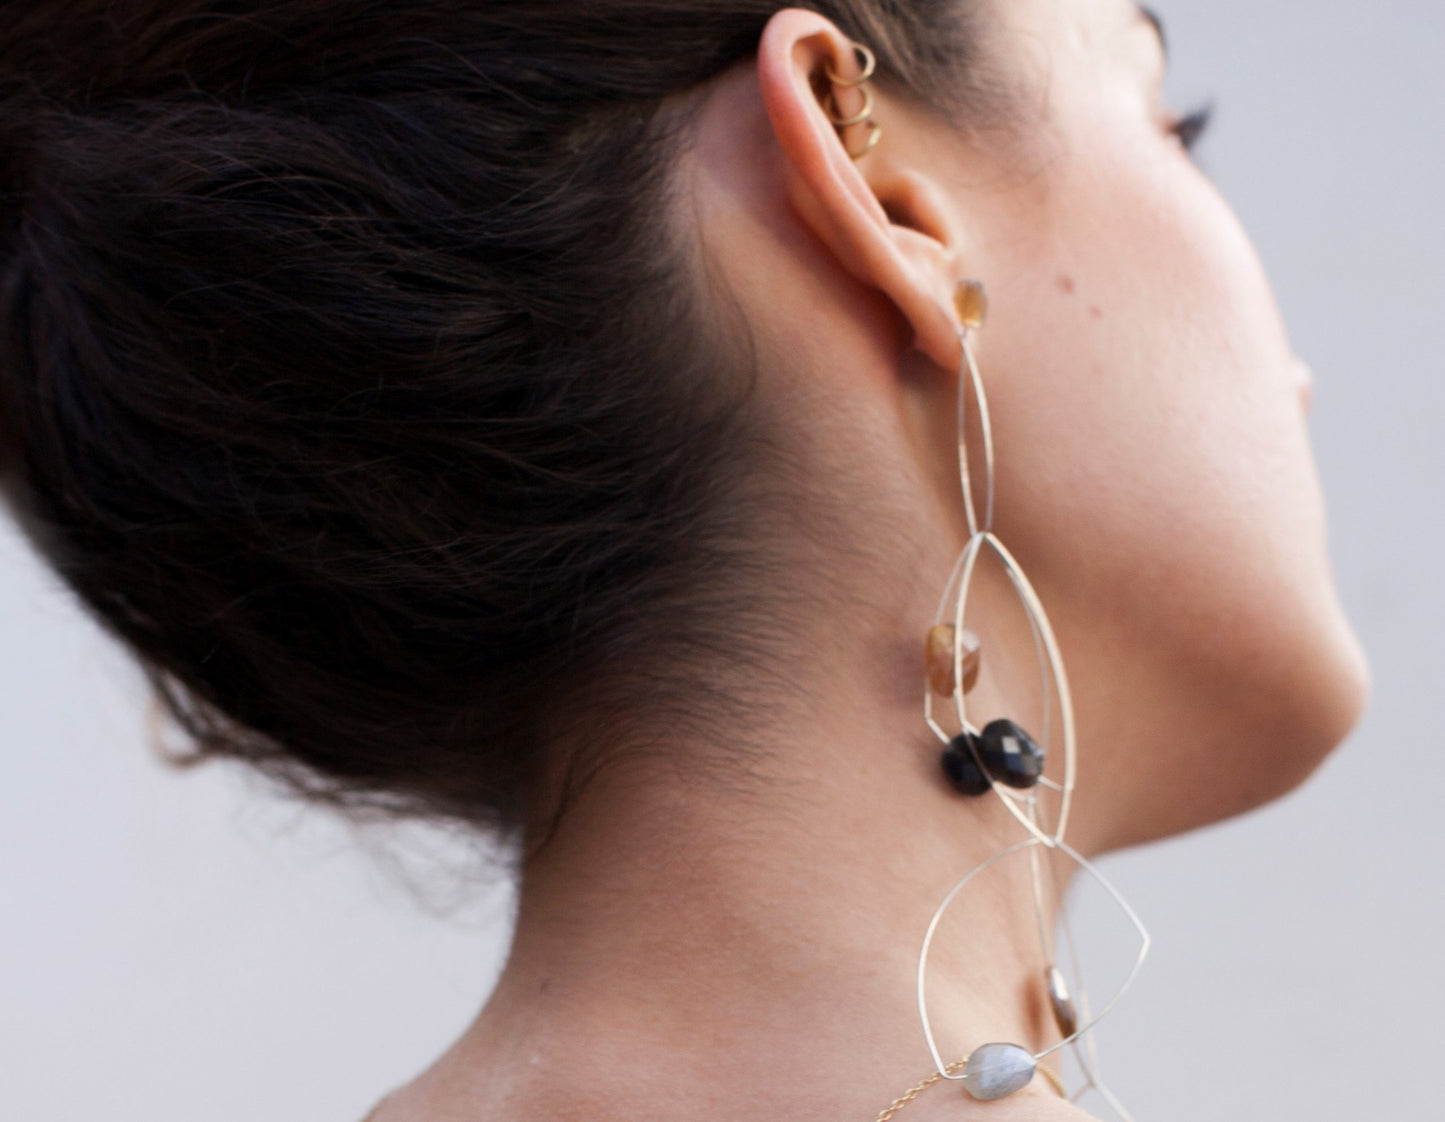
pixel 1095 312
pixel 1066 284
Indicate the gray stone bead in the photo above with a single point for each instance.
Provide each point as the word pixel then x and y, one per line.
pixel 996 1070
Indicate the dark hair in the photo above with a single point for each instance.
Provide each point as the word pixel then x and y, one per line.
pixel 347 375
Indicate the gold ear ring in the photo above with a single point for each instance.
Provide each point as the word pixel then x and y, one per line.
pixel 867 63
pixel 875 134
pixel 856 118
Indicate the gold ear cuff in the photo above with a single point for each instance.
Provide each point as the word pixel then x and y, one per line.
pixel 867 63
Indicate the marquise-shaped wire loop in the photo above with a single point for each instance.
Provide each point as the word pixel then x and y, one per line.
pixel 940 1065
pixel 1051 668
pixel 967 375
pixel 1014 800
pixel 1043 632
pixel 970 367
pixel 950 595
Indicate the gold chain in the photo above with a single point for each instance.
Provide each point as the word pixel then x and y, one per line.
pixel 958 1065
pixel 917 1089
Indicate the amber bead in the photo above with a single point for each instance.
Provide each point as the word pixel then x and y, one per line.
pixel 939 659
pixel 971 302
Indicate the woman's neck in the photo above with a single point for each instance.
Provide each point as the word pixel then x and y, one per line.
pixel 753 945
pixel 803 915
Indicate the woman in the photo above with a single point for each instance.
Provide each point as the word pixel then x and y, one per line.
pixel 543 416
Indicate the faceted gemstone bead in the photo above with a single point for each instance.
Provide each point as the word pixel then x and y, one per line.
pixel 1010 754
pixel 971 303
pixel 939 659
pixel 1065 1015
pixel 996 1070
pixel 962 771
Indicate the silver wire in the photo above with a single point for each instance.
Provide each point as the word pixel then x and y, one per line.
pixel 939 1063
pixel 1144 943
pixel 1051 671
pixel 1050 656
pixel 977 382
pixel 957 588
pixel 1088 867
pixel 1036 883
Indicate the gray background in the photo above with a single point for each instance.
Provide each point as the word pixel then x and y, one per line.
pixel 183 948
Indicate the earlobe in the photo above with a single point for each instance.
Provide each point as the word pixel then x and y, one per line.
pixel 885 223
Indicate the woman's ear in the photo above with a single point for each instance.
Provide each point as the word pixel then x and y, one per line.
pixel 887 223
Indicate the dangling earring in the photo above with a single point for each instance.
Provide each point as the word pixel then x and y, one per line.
pixel 1005 759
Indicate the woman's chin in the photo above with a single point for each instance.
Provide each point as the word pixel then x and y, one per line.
pixel 1333 709
pixel 1256 732
pixel 1299 717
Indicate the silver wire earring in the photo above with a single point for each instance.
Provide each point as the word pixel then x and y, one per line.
pixel 1004 759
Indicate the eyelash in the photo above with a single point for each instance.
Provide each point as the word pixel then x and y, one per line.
pixel 1190 127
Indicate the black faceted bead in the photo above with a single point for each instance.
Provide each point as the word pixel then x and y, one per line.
pixel 961 768
pixel 1010 754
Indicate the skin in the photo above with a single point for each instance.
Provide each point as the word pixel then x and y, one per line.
pixel 691 949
